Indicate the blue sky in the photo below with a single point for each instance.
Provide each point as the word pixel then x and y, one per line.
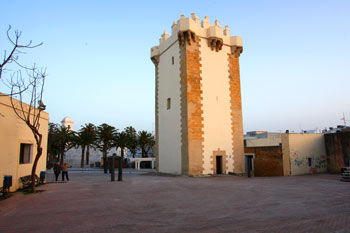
pixel 294 67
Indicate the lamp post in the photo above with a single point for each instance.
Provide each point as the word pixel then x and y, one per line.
pixel 112 167
pixel 42 106
pixel 120 164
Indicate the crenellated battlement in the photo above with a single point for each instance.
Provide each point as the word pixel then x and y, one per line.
pixel 186 29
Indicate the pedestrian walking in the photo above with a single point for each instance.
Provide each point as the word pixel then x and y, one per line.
pixel 65 171
pixel 57 169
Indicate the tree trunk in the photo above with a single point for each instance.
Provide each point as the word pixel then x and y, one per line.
pixel 87 154
pixel 82 156
pixel 62 155
pixel 39 151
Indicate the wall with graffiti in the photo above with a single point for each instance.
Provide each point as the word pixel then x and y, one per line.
pixel 307 154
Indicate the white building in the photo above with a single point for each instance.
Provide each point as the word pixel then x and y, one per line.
pixel 68 123
pixel 198 100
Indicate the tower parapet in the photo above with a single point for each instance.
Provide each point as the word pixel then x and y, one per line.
pixel 187 29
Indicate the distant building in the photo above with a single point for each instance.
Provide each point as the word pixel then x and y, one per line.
pixel 312 131
pixel 285 154
pixel 339 128
pixel 17 144
pixel 261 134
pixel 68 123
pixel 198 99
pixel 73 156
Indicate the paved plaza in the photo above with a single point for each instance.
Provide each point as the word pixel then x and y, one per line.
pixel 90 202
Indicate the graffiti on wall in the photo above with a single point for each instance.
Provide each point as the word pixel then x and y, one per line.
pixel 318 163
pixel 298 162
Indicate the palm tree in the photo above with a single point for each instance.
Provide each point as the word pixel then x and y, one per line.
pixel 64 140
pixel 80 139
pixel 90 136
pixel 105 134
pixel 52 147
pixel 132 143
pixel 145 142
pixel 121 140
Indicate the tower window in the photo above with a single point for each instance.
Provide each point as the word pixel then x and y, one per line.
pixel 172 60
pixel 168 103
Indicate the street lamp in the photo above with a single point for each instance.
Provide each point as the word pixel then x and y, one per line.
pixel 42 106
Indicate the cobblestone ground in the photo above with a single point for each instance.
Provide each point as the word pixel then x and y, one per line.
pixel 89 202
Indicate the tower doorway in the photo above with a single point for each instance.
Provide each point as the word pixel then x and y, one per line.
pixel 219 164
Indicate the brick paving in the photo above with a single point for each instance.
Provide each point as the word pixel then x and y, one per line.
pixel 89 202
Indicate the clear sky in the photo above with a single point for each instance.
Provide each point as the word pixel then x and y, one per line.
pixel 294 67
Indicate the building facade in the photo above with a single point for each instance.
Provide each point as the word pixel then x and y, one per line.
pixel 17 144
pixel 285 154
pixel 198 110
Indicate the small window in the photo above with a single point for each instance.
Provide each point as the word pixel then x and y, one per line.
pixel 172 60
pixel 310 162
pixel 168 104
pixel 25 153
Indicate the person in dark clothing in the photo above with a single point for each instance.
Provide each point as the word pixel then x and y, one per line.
pixel 65 171
pixel 57 170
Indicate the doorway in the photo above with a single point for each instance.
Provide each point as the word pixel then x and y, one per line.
pixel 219 164
pixel 249 165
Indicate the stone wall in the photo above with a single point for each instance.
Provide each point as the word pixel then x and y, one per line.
pixel 337 150
pixel 307 154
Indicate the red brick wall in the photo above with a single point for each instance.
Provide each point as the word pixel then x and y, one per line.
pixel 267 161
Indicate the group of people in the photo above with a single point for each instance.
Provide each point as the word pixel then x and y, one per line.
pixel 57 170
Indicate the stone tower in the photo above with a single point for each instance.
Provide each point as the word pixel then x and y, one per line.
pixel 198 99
pixel 67 122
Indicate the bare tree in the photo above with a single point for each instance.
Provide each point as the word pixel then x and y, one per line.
pixel 30 113
pixel 12 56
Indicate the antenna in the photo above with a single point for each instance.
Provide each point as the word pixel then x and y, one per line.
pixel 344 119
